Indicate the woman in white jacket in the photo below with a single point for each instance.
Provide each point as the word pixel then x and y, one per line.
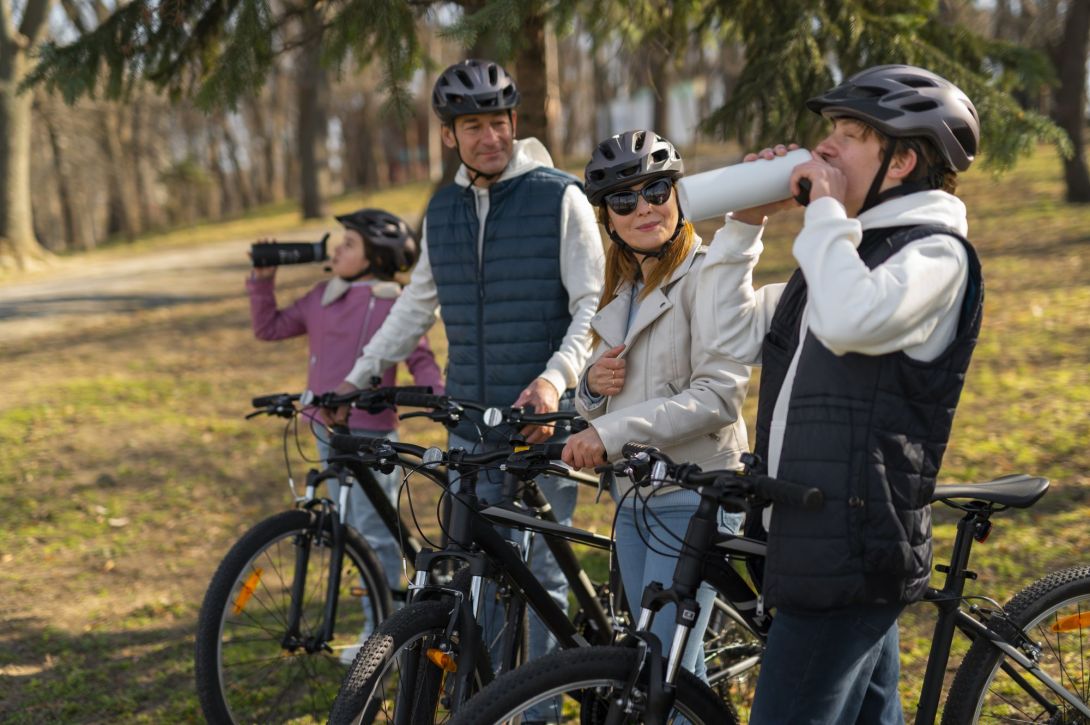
pixel 652 377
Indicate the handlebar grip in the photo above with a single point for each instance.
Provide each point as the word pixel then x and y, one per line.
pixel 343 442
pixel 264 401
pixel 420 400
pixel 789 494
pixel 552 450
pixel 632 448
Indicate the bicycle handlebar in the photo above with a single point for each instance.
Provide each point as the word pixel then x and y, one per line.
pixel 448 411
pixel 728 483
pixel 519 458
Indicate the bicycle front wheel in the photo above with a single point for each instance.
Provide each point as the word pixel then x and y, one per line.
pixel 579 685
pixel 251 664
pixel 1054 612
pixel 732 656
pixel 398 675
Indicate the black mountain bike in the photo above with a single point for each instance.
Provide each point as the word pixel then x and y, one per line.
pixel 1029 661
pixel 424 661
pixel 295 590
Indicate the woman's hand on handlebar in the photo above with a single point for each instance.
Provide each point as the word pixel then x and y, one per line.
pixel 584 450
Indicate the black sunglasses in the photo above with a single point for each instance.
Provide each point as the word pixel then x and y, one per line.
pixel 624 203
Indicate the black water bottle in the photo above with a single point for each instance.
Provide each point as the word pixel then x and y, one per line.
pixel 273 254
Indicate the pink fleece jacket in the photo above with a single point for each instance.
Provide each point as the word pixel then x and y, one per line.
pixel 336 334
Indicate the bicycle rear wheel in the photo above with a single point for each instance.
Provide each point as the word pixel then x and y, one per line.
pixel 732 656
pixel 249 667
pixel 579 685
pixel 1054 612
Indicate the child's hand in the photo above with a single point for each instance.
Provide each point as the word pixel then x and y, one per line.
pixel 262 272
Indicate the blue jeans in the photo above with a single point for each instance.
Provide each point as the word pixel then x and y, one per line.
pixel 837 667
pixel 561 494
pixel 361 514
pixel 646 538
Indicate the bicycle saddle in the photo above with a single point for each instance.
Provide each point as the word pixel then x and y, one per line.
pixel 1017 491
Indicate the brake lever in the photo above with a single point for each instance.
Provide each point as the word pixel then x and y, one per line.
pixel 257 413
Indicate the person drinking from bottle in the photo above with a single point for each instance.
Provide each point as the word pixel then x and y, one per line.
pixel 339 316
pixel 863 353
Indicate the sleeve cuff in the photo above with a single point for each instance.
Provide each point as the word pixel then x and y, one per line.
pixel 361 373
pixel 590 400
pixel 556 379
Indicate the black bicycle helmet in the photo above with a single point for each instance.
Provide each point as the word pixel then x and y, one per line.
pixel 623 160
pixel 388 241
pixel 473 86
pixel 905 101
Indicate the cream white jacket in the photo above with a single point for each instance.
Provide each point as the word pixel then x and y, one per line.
pixel 680 394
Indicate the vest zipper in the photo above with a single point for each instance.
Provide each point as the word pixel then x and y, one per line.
pixel 480 296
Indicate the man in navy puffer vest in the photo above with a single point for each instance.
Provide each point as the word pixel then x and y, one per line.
pixel 512 260
pixel 863 355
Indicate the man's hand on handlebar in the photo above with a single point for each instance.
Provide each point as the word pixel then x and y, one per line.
pixel 540 396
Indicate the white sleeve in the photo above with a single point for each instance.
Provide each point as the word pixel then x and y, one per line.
pixel 737 317
pixel 411 316
pixel 898 305
pixel 582 271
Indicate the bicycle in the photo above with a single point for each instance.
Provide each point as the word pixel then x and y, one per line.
pixel 423 662
pixel 628 682
pixel 266 646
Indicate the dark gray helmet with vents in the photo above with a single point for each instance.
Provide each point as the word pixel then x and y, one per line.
pixel 904 101
pixel 473 86
pixel 628 158
pixel 388 241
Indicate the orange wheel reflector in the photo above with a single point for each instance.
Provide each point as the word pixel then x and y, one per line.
pixel 359 592
pixel 247 590
pixel 1070 624
pixel 442 659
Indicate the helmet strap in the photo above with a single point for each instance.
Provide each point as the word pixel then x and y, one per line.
pixel 658 253
pixel 876 197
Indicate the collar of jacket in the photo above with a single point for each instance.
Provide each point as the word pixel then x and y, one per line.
pixel 610 321
pixel 337 288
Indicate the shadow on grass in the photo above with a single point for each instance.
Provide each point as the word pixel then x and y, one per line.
pixel 50 675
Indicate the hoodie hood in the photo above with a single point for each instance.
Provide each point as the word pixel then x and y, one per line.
pixel 924 207
pixel 529 154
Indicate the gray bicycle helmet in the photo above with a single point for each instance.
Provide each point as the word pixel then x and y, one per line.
pixel 473 86
pixel 623 160
pixel 388 241
pixel 905 101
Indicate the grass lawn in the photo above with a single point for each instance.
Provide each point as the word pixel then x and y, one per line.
pixel 128 468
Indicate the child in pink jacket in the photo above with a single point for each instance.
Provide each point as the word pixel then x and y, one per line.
pixel 339 316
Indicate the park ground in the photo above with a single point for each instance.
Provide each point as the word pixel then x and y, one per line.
pixel 127 468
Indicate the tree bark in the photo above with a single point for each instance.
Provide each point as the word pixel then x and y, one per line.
pixel 124 199
pixel 64 191
pixel 536 118
pixel 1069 97
pixel 313 95
pixel 18 247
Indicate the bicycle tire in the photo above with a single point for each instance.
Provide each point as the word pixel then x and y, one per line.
pixel 588 676
pixel 245 671
pixel 982 692
pixel 373 689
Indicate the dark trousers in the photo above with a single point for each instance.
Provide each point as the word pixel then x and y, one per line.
pixel 831 668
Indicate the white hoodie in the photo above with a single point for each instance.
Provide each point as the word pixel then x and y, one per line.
pixel 910 303
pixel 582 267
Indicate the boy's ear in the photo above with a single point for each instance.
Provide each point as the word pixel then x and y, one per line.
pixel 902 164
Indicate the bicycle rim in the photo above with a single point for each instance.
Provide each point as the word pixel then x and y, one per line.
pixel 268 676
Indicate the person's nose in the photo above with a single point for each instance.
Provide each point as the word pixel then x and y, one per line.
pixel 826 148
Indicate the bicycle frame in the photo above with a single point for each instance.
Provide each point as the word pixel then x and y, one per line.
pixel 472 538
pixel 951 617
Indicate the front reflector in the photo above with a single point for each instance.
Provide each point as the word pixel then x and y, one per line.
pixel 442 659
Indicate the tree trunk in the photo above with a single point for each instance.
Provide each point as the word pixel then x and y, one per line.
pixel 124 201
pixel 1069 98
pixel 660 76
pixel 313 95
pixel 151 213
pixel 64 191
pixel 537 111
pixel 18 247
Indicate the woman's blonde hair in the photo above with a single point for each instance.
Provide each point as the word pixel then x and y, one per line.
pixel 621 265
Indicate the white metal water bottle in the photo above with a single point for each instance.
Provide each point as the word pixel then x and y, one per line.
pixel 739 186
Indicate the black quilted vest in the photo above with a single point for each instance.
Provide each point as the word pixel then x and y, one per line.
pixel 870 431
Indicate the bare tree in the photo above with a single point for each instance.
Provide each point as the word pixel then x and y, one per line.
pixel 18 246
